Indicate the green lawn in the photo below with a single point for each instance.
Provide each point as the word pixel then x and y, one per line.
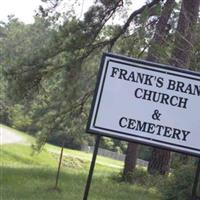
pixel 31 177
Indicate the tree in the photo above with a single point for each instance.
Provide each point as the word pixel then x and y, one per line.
pixel 160 160
pixel 185 34
pixel 61 55
pixel 181 55
pixel 130 160
pixel 158 41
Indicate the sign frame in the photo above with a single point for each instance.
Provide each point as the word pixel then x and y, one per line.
pixel 155 67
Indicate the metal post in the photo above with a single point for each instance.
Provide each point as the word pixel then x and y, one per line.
pixel 196 180
pixel 92 165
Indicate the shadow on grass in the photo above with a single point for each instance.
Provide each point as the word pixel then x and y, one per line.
pixel 37 184
pixel 17 158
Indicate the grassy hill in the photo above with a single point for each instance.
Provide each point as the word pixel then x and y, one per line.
pixel 28 176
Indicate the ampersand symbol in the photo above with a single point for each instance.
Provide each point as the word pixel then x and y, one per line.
pixel 156 115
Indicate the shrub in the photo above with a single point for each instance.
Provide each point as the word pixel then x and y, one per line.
pixel 140 176
pixel 178 186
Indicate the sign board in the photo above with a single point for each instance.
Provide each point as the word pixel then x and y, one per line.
pixel 147 103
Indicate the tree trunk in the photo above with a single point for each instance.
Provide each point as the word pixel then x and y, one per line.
pixel 162 29
pixel 59 165
pixel 160 159
pixel 185 34
pixel 130 160
pixel 159 162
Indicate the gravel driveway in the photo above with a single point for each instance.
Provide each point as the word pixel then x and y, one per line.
pixel 7 136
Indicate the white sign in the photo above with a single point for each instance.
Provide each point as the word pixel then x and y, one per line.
pixel 147 103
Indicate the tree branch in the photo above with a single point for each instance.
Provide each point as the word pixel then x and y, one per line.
pixel 130 19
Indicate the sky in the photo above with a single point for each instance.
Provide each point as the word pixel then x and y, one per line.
pixel 24 10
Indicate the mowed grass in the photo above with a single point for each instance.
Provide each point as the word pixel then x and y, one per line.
pixel 28 176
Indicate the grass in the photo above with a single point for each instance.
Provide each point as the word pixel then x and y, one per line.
pixel 32 177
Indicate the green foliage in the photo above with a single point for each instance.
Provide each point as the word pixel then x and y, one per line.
pixel 144 152
pixel 19 118
pixel 50 69
pixel 140 176
pixel 19 46
pixel 178 185
pixel 51 84
pixel 181 159
pixel 113 145
pixel 4 106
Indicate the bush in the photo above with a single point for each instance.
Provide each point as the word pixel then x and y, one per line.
pixel 178 186
pixel 140 176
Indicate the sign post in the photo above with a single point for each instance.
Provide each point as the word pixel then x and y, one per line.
pixel 147 103
pixel 89 180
